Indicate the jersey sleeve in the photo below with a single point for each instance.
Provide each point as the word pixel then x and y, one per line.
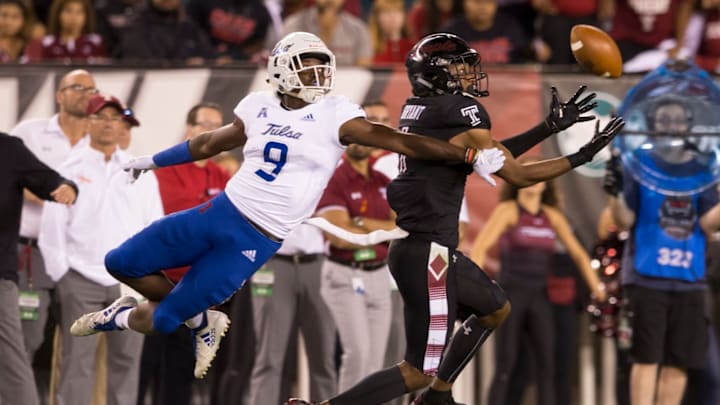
pixel 243 108
pixel 345 110
pixel 466 112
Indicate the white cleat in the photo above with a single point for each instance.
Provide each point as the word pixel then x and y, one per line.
pixel 102 321
pixel 207 340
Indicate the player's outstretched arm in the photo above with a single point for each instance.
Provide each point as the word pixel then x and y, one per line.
pixel 364 132
pixel 562 115
pixel 523 175
pixel 206 145
pixel 203 146
pixel 531 173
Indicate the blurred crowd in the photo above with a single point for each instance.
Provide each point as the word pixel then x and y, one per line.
pixel 359 32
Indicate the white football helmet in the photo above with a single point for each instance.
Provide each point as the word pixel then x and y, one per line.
pixel 285 63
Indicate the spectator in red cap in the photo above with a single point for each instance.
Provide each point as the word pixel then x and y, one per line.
pixel 74 241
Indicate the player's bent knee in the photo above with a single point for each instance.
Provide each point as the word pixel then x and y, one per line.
pixel 501 314
pixel 164 322
pixel 493 320
pixel 115 263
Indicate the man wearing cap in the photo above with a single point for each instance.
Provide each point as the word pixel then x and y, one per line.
pixel 73 242
pixel 51 140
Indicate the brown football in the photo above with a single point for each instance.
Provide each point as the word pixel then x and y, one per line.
pixel 595 51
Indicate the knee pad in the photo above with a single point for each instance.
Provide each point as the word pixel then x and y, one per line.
pixel 164 322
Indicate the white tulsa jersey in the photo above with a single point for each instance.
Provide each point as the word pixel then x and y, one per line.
pixel 289 158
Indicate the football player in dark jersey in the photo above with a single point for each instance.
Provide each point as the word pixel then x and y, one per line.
pixel 438 283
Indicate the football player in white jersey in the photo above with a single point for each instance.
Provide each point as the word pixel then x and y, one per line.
pixel 292 138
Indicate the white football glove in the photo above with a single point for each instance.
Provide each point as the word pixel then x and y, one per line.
pixel 488 162
pixel 139 165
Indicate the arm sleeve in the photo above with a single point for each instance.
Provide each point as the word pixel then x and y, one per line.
pixel 242 109
pixel 345 110
pixel 36 175
pixel 521 143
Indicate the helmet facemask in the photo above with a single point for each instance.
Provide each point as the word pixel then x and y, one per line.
pixel 290 73
pixel 466 67
pixel 309 82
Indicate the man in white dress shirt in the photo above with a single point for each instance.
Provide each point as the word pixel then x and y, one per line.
pixel 51 140
pixel 74 241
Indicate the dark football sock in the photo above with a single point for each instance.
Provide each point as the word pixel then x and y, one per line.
pixel 375 389
pixel 463 346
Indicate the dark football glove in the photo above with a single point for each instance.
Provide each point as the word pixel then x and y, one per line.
pixel 613 180
pixel 598 141
pixel 564 115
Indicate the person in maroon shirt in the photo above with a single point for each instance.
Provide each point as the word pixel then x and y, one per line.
pixel 168 361
pixel 389 31
pixel 72 37
pixel 639 26
pixel 494 34
pixel 427 16
pixel 16 23
pixel 356 279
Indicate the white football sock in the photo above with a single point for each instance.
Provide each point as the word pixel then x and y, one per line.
pixel 121 319
pixel 196 321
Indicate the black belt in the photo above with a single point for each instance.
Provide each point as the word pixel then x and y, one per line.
pixel 298 258
pixel 367 266
pixel 261 230
pixel 28 241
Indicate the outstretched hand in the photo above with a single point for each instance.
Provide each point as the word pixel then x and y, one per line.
pixel 139 165
pixel 564 115
pixel 601 138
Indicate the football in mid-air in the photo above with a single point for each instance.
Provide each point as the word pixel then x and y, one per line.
pixel 595 51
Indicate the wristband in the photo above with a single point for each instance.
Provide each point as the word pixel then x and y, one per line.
pixel 175 155
pixel 471 155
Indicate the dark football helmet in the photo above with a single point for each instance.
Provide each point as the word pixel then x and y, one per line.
pixel 438 61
